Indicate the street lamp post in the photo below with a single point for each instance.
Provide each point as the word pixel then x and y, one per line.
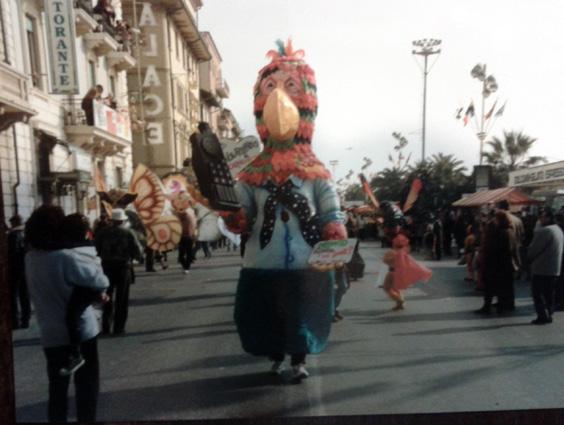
pixel 334 163
pixel 489 86
pixel 425 48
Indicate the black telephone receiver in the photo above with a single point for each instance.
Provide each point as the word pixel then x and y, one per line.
pixel 212 172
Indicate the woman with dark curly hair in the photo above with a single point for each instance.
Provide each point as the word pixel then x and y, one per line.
pixel 53 273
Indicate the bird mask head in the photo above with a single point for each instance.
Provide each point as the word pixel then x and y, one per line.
pixel 285 98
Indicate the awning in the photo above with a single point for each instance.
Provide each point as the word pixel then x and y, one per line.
pixel 510 194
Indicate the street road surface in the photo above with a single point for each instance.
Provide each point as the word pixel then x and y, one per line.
pixel 181 357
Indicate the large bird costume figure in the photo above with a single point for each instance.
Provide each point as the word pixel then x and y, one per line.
pixel 288 204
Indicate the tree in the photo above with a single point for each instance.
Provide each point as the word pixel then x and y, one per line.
pixel 388 184
pixel 509 154
pixel 444 182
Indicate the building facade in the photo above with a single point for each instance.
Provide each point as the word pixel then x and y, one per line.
pixel 213 91
pixel 164 85
pixel 148 56
pixel 50 146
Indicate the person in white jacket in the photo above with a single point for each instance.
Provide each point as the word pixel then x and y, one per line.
pixel 52 274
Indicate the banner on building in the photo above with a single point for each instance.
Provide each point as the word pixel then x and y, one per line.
pixel 62 53
pixel 112 121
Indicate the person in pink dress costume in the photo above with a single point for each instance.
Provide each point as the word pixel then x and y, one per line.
pixel 403 271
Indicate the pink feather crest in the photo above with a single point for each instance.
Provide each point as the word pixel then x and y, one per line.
pixel 288 53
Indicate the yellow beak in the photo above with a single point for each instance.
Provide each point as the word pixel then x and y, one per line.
pixel 281 115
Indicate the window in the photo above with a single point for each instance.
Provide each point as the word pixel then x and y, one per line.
pixel 4 45
pixel 119 177
pixel 176 44
pixel 179 98
pixel 113 86
pixel 33 50
pixel 92 73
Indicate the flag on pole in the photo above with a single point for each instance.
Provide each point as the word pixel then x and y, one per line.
pixel 368 191
pixel 499 112
pixel 490 112
pixel 469 113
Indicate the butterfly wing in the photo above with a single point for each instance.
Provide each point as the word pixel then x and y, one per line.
pixel 164 233
pixel 151 197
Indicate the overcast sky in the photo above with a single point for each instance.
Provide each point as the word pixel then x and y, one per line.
pixel 369 83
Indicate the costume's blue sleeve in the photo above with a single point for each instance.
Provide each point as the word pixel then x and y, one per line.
pixel 245 194
pixel 327 202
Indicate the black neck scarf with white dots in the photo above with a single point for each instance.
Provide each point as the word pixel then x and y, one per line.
pixel 295 203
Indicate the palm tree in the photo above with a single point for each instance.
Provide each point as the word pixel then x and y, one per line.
pixel 447 167
pixel 443 179
pixel 388 183
pixel 511 153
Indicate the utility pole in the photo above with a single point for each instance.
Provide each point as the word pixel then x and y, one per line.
pixel 425 47
pixel 334 163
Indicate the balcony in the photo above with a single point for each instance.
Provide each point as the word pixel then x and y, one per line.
pixel 101 43
pixel 84 21
pixel 121 61
pixel 109 135
pixel 14 104
pixel 222 89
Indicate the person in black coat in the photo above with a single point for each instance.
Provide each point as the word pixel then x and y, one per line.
pixel 497 266
pixel 16 274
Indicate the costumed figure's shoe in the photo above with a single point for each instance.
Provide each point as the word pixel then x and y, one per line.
pixel 299 372
pixel 277 368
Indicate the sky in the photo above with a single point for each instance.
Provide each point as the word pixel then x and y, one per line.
pixel 370 85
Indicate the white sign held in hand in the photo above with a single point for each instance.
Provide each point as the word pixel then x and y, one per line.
pixel 328 252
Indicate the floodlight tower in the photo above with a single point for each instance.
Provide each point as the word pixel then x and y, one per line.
pixel 425 47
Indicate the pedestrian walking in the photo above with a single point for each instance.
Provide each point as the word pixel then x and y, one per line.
pixel 185 255
pixel 118 247
pixel 559 293
pixel 497 265
pixel 517 231
pixel 52 273
pixel 469 251
pixel 21 307
pixel 545 256
pixel 438 237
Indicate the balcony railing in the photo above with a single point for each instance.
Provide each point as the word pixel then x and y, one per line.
pixel 101 129
pixel 89 22
pixel 222 88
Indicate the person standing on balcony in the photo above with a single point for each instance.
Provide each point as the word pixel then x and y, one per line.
pixel 87 104
pixel 105 8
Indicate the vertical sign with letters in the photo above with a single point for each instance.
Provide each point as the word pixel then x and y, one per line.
pixel 60 35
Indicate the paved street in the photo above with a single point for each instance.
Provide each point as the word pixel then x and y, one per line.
pixel 181 358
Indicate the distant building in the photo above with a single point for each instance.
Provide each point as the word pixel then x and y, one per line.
pixel 213 91
pixel 544 182
pixel 164 87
